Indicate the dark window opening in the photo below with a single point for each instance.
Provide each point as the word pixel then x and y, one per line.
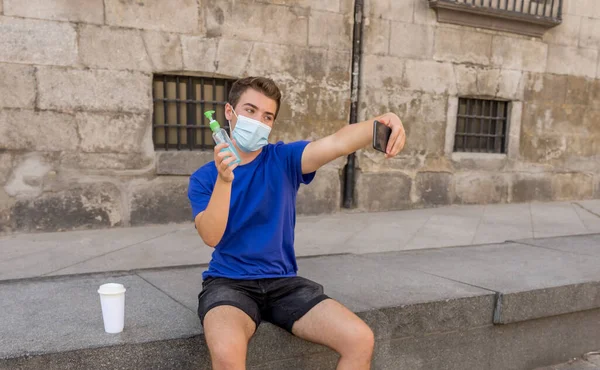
pixel 178 121
pixel 482 126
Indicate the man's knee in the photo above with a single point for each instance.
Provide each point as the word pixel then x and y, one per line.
pixel 360 341
pixel 228 354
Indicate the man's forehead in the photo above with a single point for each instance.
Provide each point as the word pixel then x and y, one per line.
pixel 257 100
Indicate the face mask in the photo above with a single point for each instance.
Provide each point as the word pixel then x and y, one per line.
pixel 250 135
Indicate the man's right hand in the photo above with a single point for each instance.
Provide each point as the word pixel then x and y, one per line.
pixel 222 161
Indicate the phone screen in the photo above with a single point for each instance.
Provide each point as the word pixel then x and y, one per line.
pixel 381 136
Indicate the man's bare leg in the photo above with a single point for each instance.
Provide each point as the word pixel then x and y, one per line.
pixel 331 324
pixel 228 330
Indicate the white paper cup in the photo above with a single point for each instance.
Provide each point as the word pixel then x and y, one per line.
pixel 112 299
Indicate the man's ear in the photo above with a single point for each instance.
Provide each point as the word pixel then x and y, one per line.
pixel 229 112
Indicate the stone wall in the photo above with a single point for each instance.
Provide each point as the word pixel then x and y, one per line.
pixel 76 146
pixel 418 67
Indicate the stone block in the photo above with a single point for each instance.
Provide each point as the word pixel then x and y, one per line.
pixel 173 16
pixel 277 61
pixel 81 207
pixel 31 173
pixel 286 25
pixel 224 56
pixel 531 187
pixel 411 40
pixel 476 81
pixel 330 30
pixel 590 33
pixel 424 14
pixel 545 88
pixel 6 165
pixel 383 191
pixel 480 188
pixel 323 195
pixel 430 76
pixel 232 57
pixel 110 48
pixel 399 11
pixel 181 162
pixel 69 89
pixel 511 85
pixel 462 46
pixel 376 35
pixel 572 61
pixel 90 11
pixel 519 54
pixel 572 186
pixel 41 131
pixel 162 200
pixel 578 90
pixel 583 8
pixel 37 42
pixel 331 67
pixel 544 120
pixel 567 33
pixel 17 86
pixel 199 53
pixel 434 188
pixel 106 161
pixel 543 149
pixel 114 133
pixel 428 136
pixel 382 73
pixel 164 50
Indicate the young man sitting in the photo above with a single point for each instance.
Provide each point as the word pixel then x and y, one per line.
pixel 247 213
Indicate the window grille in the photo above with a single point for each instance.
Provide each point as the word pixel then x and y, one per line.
pixel 481 126
pixel 546 9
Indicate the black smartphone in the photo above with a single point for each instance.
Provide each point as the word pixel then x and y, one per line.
pixel 381 136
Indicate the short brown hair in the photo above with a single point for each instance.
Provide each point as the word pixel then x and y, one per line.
pixel 263 85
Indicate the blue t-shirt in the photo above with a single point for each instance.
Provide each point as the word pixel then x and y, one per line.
pixel 259 237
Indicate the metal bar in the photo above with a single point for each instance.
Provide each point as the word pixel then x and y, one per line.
pixel 191 101
pixel 202 107
pixel 504 129
pixel 481 122
pixel 226 99
pixel 529 8
pixel 514 5
pixel 552 9
pixel 154 114
pixel 495 136
pixel 214 96
pixel 489 127
pixel 559 14
pixel 467 128
pixel 165 112
pixel 506 5
pixel 177 107
pixel 477 117
pixel 189 114
pixel 522 5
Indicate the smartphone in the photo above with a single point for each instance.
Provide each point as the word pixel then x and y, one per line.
pixel 381 136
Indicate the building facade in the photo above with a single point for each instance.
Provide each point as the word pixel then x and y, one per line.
pixel 101 101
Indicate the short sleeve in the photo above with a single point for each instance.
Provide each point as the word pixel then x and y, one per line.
pixel 199 191
pixel 291 155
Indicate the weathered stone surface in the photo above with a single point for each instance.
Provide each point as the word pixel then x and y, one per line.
pixel 116 133
pixel 382 72
pixel 199 53
pixel 31 172
pixel 106 161
pixel 434 188
pixel 376 34
pixel 545 88
pixel 424 14
pixel 90 11
pixel 224 56
pixel 511 85
pixel 472 80
pixel 5 166
pixel 567 33
pixel 462 46
pixel 590 33
pixel 282 61
pixel 164 50
pixel 323 195
pixel 173 16
pixel 94 90
pixel 159 201
pixel 579 7
pixel 82 206
pixel 572 186
pixel 578 90
pixel 330 30
pixel 383 191
pixel 17 86
pixel 480 188
pixel 181 162
pixel 572 61
pixel 430 76
pixel 285 26
pixel 519 54
pixel 105 47
pixel 43 131
pixel 418 45
pixel 37 42
pixel 400 11
pixel 531 187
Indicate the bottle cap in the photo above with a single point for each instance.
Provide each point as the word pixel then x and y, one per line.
pixel 214 125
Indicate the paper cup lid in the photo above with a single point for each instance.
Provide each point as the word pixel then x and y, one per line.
pixel 111 288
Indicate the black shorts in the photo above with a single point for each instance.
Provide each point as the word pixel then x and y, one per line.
pixel 280 301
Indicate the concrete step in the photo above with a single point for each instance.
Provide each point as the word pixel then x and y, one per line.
pixel 502 306
pixel 589 361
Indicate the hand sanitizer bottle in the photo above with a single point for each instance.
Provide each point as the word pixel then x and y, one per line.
pixel 220 136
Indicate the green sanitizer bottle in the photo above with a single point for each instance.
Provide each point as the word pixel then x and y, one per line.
pixel 220 136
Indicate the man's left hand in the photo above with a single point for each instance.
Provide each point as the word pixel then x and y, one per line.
pixel 398 136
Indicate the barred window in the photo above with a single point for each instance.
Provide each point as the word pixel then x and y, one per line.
pixel 179 104
pixel 481 126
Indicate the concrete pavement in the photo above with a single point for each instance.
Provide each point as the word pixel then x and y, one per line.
pixel 74 252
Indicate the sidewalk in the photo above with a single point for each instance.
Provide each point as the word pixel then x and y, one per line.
pixel 125 249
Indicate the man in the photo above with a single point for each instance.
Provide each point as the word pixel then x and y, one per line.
pixel 246 212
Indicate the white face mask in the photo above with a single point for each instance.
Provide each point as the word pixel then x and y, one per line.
pixel 249 134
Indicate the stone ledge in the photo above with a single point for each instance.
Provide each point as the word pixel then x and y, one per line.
pixel 495 19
